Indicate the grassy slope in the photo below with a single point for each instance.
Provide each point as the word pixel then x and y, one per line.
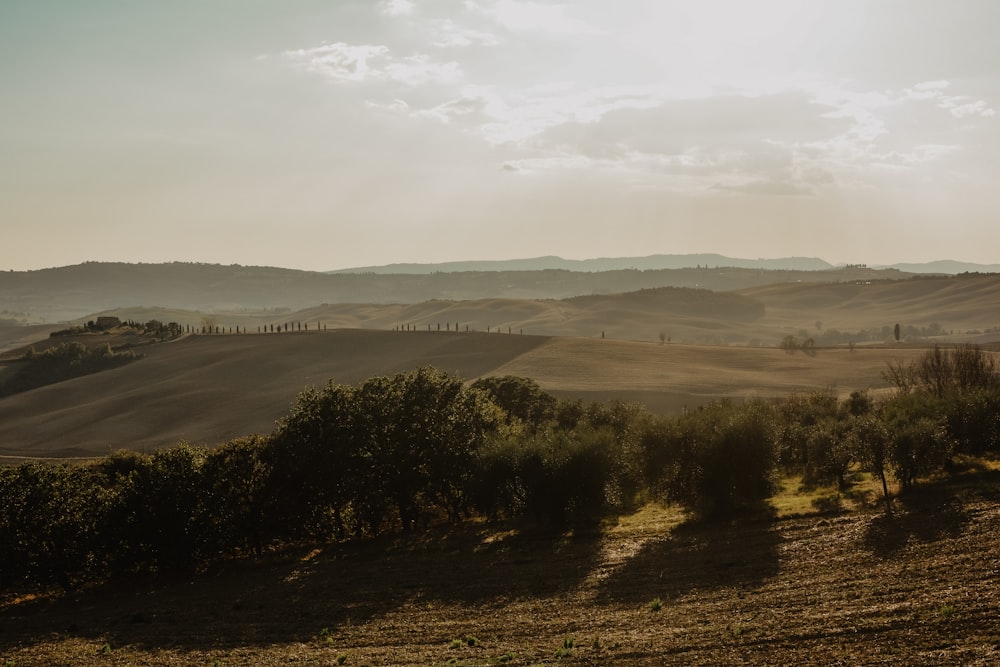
pixel 957 303
pixel 207 389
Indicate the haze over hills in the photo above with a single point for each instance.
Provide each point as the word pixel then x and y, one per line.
pixel 209 388
pixel 659 262
pixel 73 292
pixel 649 263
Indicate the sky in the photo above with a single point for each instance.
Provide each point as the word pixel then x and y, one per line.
pixel 329 134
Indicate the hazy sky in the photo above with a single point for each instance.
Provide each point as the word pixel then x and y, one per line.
pixel 327 134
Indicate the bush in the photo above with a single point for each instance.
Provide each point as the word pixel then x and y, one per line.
pixel 555 477
pixel 724 459
pixel 918 440
pixel 53 527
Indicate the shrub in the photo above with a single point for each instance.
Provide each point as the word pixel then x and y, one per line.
pixel 918 439
pixel 724 459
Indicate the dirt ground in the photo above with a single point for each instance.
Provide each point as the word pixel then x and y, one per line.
pixel 917 587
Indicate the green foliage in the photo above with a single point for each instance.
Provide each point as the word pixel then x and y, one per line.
pixel 797 419
pixel 555 477
pixel 394 453
pixel 870 440
pixel 566 650
pixel 522 398
pixel 972 419
pixel 234 479
pixel 917 449
pixel 166 527
pixel 62 362
pixel 52 527
pixel 723 459
pixel 345 456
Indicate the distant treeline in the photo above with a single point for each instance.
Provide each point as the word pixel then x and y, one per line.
pixel 397 453
pixel 61 362
pixel 94 287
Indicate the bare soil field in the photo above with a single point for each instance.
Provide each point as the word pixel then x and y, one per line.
pixel 915 587
pixel 208 389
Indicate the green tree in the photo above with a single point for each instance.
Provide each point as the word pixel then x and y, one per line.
pixel 522 398
pixel 919 444
pixel 724 459
pixel 871 446
pixel 234 479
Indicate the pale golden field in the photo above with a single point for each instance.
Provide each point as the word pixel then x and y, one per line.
pixel 208 389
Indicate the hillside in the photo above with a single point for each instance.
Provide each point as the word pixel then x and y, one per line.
pixel 955 303
pixel 553 302
pixel 207 389
pixel 960 308
pixel 73 292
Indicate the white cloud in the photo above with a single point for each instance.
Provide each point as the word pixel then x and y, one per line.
pixel 521 16
pixel 395 106
pixel 419 69
pixel 347 62
pixel 453 109
pixel 977 108
pixel 753 132
pixel 932 85
pixel 448 34
pixel 396 7
pixel 364 62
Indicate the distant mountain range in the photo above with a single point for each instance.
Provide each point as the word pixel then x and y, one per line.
pixel 649 263
pixel 658 262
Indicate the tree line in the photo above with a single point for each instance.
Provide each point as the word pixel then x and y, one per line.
pixel 398 453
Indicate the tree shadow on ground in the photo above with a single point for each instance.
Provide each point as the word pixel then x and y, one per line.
pixel 914 518
pixel 934 509
pixel 697 556
pixel 300 594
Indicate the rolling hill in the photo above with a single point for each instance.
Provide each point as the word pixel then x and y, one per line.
pixel 956 308
pixel 207 389
pixel 74 292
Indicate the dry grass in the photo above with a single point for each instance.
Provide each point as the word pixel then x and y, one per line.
pixel 207 389
pixel 914 587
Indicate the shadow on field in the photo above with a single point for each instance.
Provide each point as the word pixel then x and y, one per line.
pixel 298 598
pixel 697 556
pixel 921 519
